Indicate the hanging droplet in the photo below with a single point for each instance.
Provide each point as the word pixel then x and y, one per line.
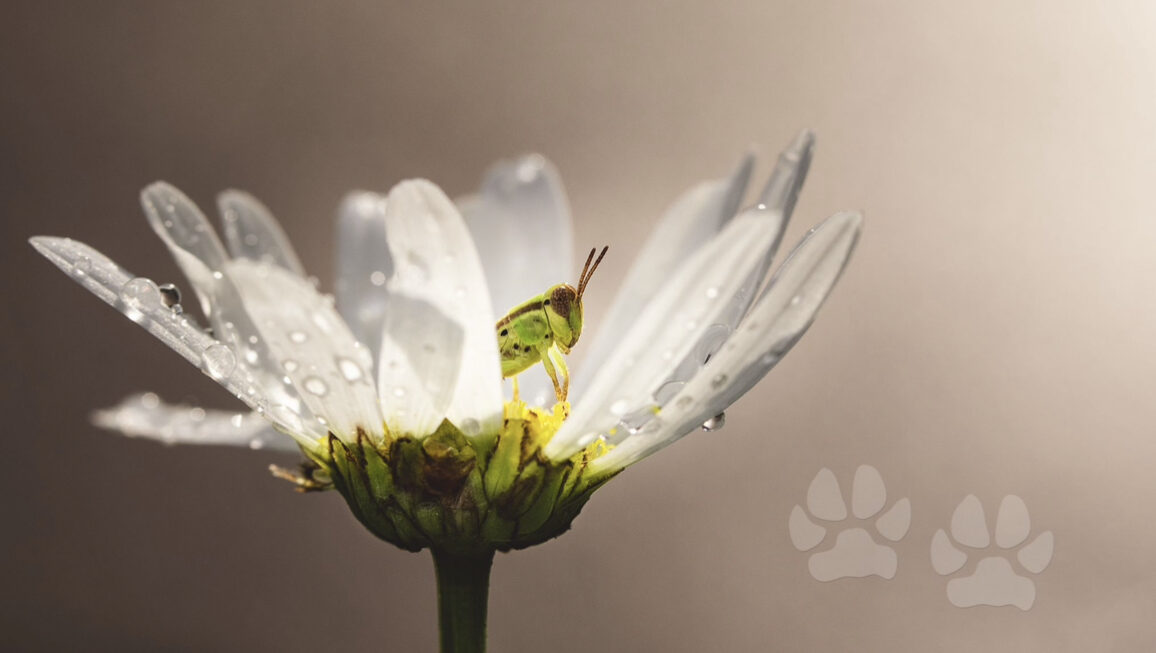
pixel 237 420
pixel 715 423
pixel 298 336
pixel 377 278
pixel 170 295
pixel 471 427
pixel 218 361
pixel 290 365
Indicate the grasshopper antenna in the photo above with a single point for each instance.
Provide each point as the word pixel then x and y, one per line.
pixel 588 269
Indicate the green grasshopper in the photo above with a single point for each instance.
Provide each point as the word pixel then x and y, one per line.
pixel 543 328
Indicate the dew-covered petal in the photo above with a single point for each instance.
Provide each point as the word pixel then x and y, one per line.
pixel 439 353
pixel 310 343
pixel 253 233
pixel 146 416
pixel 364 264
pixel 626 387
pixel 779 318
pixel 140 300
pixel 694 218
pixel 520 223
pixel 202 257
pixel 775 204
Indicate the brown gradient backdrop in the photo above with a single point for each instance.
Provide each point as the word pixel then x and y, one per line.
pixel 993 334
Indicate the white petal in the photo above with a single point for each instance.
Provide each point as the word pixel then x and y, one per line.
pixel 776 202
pixel 627 385
pixel 309 342
pixel 201 256
pixel 687 225
pixel 139 299
pixel 145 416
pixel 364 264
pixel 439 348
pixel 253 233
pixel 520 223
pixel 774 325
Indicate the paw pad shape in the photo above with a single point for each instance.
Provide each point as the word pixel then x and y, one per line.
pixel 855 553
pixel 994 582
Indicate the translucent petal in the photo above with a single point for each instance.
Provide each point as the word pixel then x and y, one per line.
pixel 145 416
pixel 201 256
pixel 364 263
pixel 627 385
pixel 439 351
pixel 776 202
pixel 520 223
pixel 253 233
pixel 779 318
pixel 310 343
pixel 139 299
pixel 690 222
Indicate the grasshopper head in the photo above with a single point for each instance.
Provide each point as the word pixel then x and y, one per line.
pixel 564 311
pixel 563 305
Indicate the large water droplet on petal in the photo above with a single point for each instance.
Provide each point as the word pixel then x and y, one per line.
pixel 350 370
pixel 218 361
pixel 139 295
pixel 316 386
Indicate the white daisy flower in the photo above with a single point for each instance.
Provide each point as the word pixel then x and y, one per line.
pixel 394 391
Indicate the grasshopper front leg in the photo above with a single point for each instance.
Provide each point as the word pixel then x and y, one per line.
pixel 555 365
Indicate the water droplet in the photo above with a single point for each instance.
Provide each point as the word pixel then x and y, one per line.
pixel 718 381
pixel 619 408
pixel 796 299
pixel 322 322
pixel 298 336
pixel 256 443
pixel 377 278
pixel 82 266
pixel 316 386
pixel 218 361
pixel 290 365
pixel 218 275
pixel 471 427
pixel 253 340
pixel 715 423
pixel 350 370
pixel 150 400
pixel 197 414
pixel 250 356
pixel 251 240
pixel 286 380
pixel 170 295
pixel 668 391
pixel 399 392
pixel 711 292
pixel 683 402
pixel 527 170
pixel 139 295
pixel 237 420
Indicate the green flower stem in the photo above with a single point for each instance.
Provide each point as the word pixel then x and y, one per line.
pixel 463 590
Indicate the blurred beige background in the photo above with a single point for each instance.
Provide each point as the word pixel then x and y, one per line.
pixel 992 335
